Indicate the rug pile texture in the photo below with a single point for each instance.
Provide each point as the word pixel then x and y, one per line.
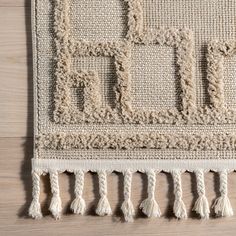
pixel 134 85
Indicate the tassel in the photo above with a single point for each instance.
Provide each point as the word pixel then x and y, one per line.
pixel 127 206
pixel 78 205
pixel 179 206
pixel 103 207
pixel 201 205
pixel 222 204
pixel 149 206
pixel 55 205
pixel 35 208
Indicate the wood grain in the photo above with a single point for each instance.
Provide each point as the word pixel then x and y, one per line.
pixel 14 3
pixel 15 72
pixel 16 151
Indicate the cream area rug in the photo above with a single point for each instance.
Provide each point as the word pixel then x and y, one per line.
pixel 134 85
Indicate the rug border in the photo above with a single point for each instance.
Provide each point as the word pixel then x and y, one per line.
pixel 134 165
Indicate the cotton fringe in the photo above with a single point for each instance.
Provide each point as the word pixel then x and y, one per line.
pixel 201 205
pixel 127 206
pixel 179 206
pixel 78 205
pixel 149 206
pixel 222 205
pixel 55 205
pixel 103 207
pixel 35 208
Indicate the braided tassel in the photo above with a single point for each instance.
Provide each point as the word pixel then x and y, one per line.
pixel 35 208
pixel 127 206
pixel 179 206
pixel 78 205
pixel 55 205
pixel 149 206
pixel 222 204
pixel 201 205
pixel 103 207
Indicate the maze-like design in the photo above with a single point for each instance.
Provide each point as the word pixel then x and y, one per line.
pixel 120 50
pixel 182 40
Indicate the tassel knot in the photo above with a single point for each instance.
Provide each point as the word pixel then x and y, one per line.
pixel 35 208
pixel 78 205
pixel 179 206
pixel 222 204
pixel 201 205
pixel 149 206
pixel 127 206
pixel 103 207
pixel 55 205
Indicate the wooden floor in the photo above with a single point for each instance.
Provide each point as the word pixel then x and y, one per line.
pixel 16 151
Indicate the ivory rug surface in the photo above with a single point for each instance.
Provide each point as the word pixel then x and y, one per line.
pixel 134 85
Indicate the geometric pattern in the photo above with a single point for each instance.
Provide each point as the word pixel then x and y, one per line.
pixel 134 85
pixel 122 110
pixel 182 40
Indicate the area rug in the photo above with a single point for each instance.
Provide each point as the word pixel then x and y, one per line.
pixel 134 85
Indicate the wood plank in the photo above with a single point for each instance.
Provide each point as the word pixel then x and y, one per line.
pixel 15 197
pixel 16 73
pixel 14 3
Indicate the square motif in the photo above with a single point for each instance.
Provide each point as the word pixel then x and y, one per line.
pixel 95 20
pixel 155 84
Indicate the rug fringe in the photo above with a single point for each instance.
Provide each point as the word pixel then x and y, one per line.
pixel 179 206
pixel 55 205
pixel 127 206
pixel 149 206
pixel 35 208
pixel 222 205
pixel 78 205
pixel 201 205
pixel 103 207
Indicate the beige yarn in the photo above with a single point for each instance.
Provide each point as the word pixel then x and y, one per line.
pixel 179 206
pixel 55 205
pixel 35 209
pixel 201 205
pixel 103 207
pixel 78 205
pixel 134 85
pixel 149 206
pixel 222 204
pixel 127 206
